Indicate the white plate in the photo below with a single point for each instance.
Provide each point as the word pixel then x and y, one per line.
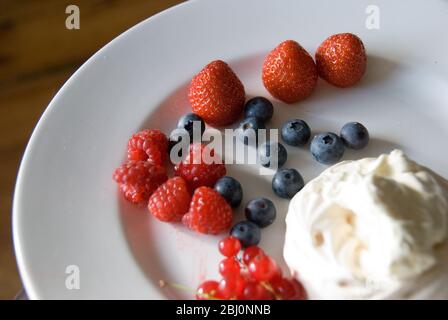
pixel 67 210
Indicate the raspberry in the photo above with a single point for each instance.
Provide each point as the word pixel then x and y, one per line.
pixel 209 212
pixel 170 201
pixel 200 174
pixel 139 179
pixel 150 144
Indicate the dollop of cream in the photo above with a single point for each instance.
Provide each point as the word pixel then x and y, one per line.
pixel 375 228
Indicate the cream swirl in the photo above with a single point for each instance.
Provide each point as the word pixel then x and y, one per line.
pixel 375 228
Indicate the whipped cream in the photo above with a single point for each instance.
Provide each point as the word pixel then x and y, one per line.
pixel 375 228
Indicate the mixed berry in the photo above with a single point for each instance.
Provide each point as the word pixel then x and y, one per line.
pixel 200 194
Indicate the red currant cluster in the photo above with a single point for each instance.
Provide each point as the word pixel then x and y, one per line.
pixel 252 276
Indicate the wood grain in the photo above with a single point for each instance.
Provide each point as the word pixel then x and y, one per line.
pixel 37 55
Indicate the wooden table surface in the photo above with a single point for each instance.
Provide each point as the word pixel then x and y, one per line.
pixel 37 55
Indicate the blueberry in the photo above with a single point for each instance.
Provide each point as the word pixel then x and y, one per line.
pixel 247 232
pixel 354 135
pixel 248 128
pixel 296 132
pixel 327 148
pixel 187 122
pixel 259 107
pixel 260 211
pixel 287 182
pixel 267 153
pixel 230 189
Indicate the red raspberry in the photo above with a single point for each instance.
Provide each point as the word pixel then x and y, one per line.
pixel 200 174
pixel 289 72
pixel 209 212
pixel 139 179
pixel 216 94
pixel 150 144
pixel 341 59
pixel 170 201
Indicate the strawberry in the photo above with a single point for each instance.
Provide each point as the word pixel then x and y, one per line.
pixel 289 72
pixel 341 59
pixel 150 145
pixel 216 94
pixel 209 212
pixel 170 201
pixel 199 174
pixel 139 179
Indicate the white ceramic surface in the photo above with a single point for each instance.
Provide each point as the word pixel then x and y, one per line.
pixel 67 210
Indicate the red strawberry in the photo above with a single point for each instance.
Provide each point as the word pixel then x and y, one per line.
pixel 150 144
pixel 341 59
pixel 209 212
pixel 139 179
pixel 216 94
pixel 170 201
pixel 200 174
pixel 289 72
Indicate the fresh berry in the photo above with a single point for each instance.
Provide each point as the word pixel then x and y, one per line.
pixel 229 246
pixel 327 148
pixel 263 268
pixel 296 132
pixel 255 291
pixel 229 267
pixel 230 189
pixel 216 94
pixel 341 59
pixel 287 182
pixel 207 290
pixel 209 212
pixel 248 130
pixel 231 287
pixel 283 288
pixel 150 145
pixel 289 72
pixel 354 135
pixel 299 291
pixel 259 107
pixel 260 211
pixel 139 179
pixel 191 122
pixel 247 232
pixel 251 252
pixel 170 201
pixel 197 170
pixel 272 154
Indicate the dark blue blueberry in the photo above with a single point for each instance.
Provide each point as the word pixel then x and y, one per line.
pixel 187 122
pixel 327 148
pixel 287 182
pixel 247 232
pixel 354 135
pixel 296 132
pixel 260 211
pixel 230 189
pixel 259 107
pixel 248 128
pixel 272 154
